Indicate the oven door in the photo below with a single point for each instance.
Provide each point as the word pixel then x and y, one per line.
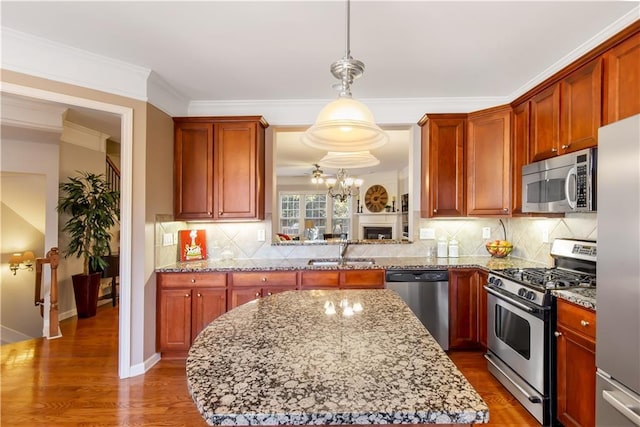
pixel 515 334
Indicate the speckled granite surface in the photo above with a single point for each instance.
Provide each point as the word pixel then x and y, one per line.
pixel 381 262
pixel 282 360
pixel 585 297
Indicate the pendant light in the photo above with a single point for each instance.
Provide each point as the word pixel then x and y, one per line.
pixel 345 125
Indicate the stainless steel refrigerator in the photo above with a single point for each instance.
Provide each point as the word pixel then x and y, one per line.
pixel 618 275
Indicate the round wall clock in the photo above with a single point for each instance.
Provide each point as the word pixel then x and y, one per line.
pixel 376 197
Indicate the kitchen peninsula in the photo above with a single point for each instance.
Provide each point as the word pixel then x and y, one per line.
pixel 327 357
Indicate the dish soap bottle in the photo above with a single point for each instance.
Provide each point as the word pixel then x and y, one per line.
pixel 442 247
pixel 453 248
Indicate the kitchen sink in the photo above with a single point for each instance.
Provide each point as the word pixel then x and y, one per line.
pixel 336 261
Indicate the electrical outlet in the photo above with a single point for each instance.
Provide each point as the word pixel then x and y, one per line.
pixel 261 235
pixel 167 239
pixel 486 232
pixel 427 233
pixel 545 235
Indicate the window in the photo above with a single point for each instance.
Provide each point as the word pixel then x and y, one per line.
pixel 319 211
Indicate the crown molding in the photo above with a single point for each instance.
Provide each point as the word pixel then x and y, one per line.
pixel 30 114
pixel 608 32
pixel 76 134
pixel 28 54
pixel 296 112
pixel 165 97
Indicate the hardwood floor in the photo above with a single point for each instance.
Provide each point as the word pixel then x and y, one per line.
pixel 73 381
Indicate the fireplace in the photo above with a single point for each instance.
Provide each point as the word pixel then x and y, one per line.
pixel 377 232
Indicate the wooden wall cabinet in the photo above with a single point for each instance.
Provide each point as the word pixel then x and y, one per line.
pixel 544 124
pixel 186 303
pixel 219 168
pixel 442 175
pixel 488 162
pixel 247 286
pixel 576 366
pixel 519 154
pixel 622 80
pixel 464 308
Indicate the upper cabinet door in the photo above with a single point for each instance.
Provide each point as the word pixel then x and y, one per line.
pixel 545 124
pixel 488 158
pixel 442 189
pixel 239 170
pixel 519 154
pixel 581 108
pixel 622 80
pixel 193 171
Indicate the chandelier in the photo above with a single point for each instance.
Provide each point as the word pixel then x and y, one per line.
pixel 316 175
pixel 343 186
pixel 345 125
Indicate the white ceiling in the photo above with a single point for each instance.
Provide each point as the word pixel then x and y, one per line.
pixel 282 50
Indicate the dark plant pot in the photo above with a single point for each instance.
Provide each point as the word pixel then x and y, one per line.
pixel 86 289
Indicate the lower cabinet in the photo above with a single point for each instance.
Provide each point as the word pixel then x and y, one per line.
pixel 576 366
pixel 343 279
pixel 247 286
pixel 186 303
pixel 465 309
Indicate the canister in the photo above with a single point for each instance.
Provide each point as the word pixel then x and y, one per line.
pixel 442 247
pixel 453 248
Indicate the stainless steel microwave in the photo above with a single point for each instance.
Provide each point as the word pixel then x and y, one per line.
pixel 565 183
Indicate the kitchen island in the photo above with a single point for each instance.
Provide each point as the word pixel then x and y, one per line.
pixel 327 357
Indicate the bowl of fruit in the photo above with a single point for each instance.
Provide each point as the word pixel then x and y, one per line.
pixel 499 248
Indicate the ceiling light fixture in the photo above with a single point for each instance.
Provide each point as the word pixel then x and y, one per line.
pixel 343 186
pixel 316 175
pixel 358 159
pixel 345 124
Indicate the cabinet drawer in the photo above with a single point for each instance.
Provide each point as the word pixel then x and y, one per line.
pixel 191 280
pixel 316 279
pixel 264 278
pixel 576 318
pixel 362 279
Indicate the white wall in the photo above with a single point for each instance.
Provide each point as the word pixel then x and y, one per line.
pixel 39 159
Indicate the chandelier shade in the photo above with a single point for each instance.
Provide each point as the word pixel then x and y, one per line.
pixel 345 125
pixel 351 160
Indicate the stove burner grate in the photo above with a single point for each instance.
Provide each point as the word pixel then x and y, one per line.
pixel 549 278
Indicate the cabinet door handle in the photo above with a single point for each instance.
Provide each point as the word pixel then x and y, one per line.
pixel 257 295
pixel 584 323
pixel 557 334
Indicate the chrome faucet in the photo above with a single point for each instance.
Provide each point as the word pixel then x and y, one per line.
pixel 344 244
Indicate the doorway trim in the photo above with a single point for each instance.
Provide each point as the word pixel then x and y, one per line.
pixel 126 164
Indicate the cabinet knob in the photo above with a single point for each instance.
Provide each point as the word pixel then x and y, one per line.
pixel 268 294
pixel 257 295
pixel 187 295
pixel 193 280
pixel 584 323
pixel 565 146
pixel 199 295
pixel 505 209
pixel 554 149
pixel 557 334
pixel 209 213
pixel 220 212
pixel 264 279
pixel 435 210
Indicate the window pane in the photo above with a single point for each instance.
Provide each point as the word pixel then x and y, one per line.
pixel 290 214
pixel 316 211
pixel 341 217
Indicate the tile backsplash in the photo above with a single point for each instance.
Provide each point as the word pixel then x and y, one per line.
pixel 240 239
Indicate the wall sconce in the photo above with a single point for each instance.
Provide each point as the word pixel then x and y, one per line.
pixel 23 261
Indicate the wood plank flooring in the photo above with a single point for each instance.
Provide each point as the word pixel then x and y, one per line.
pixel 73 381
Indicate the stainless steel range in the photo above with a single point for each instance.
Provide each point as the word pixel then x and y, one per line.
pixel 521 320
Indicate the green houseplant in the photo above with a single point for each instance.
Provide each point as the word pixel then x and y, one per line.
pixel 92 207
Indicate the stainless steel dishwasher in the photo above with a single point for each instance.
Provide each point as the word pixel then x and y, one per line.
pixel 426 292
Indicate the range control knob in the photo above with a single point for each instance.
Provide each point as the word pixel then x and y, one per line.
pixel 522 292
pixel 498 282
pixel 492 279
pixel 530 295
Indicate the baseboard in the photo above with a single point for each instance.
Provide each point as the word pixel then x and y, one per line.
pixel 141 368
pixel 67 314
pixel 9 335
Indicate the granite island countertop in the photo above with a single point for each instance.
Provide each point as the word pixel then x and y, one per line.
pixel 284 360
pixel 266 264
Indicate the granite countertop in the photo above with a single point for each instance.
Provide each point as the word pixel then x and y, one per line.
pixel 283 360
pixel 585 297
pixel 486 262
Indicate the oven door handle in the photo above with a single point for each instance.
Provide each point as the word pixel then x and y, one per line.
pixel 531 398
pixel 510 300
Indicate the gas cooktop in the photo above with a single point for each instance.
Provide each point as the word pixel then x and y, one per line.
pixel 548 278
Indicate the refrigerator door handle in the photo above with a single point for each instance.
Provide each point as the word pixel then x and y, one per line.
pixel 623 404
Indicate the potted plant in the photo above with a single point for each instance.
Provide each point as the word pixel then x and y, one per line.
pixel 92 207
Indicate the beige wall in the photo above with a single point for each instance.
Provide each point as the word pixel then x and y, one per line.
pixel 142 256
